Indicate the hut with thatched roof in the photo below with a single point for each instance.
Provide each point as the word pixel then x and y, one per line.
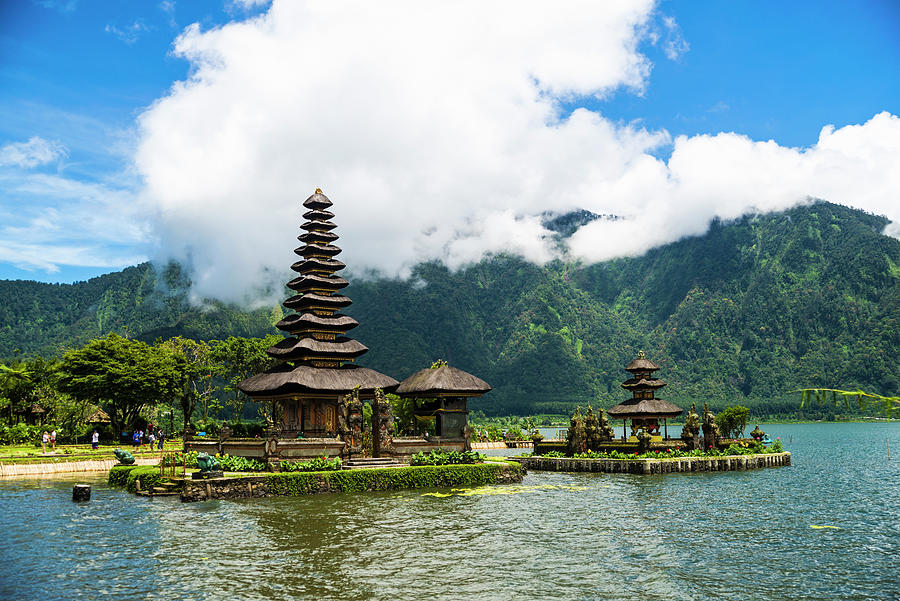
pixel 446 390
pixel 644 409
pixel 316 356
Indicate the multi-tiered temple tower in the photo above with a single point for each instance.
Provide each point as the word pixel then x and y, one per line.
pixel 644 409
pixel 317 357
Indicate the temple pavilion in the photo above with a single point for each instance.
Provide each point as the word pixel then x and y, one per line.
pixel 316 356
pixel 644 409
pixel 446 390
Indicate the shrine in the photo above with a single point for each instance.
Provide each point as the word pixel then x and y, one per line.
pixel 644 409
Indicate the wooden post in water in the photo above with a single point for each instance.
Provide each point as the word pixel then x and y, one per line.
pixel 888 443
pixel 81 492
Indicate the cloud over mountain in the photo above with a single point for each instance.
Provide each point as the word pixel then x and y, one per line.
pixel 439 132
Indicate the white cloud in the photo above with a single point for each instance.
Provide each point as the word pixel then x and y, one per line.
pixel 435 129
pixel 36 151
pixel 128 34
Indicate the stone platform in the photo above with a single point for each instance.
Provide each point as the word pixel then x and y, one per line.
pixel 655 466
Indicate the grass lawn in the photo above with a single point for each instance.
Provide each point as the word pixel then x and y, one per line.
pixel 81 452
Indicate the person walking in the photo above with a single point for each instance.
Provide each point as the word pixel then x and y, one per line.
pixel 161 436
pixel 53 440
pixel 152 438
pixel 95 440
pixel 45 438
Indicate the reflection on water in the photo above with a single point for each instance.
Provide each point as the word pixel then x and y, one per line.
pixel 826 528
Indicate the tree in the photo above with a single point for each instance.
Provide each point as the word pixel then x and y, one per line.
pixel 124 376
pixel 575 437
pixel 592 435
pixel 732 421
pixel 241 358
pixel 15 386
pixel 201 370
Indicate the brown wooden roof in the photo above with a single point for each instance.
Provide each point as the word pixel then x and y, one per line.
pixel 641 363
pixel 318 265
pixel 318 214
pixel 308 300
pixel 317 250
pixel 98 417
pixel 306 283
pixel 309 321
pixel 304 379
pixel 308 348
pixel 317 201
pixel 318 237
pixel 644 408
pixel 632 383
pixel 324 226
pixel 442 381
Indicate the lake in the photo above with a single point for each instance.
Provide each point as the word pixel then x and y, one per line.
pixel 826 528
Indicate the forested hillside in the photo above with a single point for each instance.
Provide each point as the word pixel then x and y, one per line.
pixel 744 314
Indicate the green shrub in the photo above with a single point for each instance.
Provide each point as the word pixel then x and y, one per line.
pixel 229 463
pixel 429 476
pixel 128 476
pixel 441 457
pixel 319 464
pixel 189 459
pixel 118 475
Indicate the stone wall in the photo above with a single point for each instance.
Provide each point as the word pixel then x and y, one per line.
pixel 62 467
pixel 656 466
pixel 406 447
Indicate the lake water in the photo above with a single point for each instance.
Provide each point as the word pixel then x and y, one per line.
pixel 733 535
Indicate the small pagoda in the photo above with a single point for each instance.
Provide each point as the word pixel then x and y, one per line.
pixel 644 409
pixel 316 368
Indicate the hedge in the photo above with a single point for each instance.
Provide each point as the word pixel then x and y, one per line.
pixel 427 476
pixel 127 476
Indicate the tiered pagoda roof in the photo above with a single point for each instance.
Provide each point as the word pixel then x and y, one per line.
pixel 643 386
pixel 316 355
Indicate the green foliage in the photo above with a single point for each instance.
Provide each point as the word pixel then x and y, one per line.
pixel 188 460
pixel 21 433
pixel 576 437
pixel 302 483
pixel 744 314
pixel 229 463
pixel 123 375
pixel 128 477
pixel 887 405
pixel 441 457
pixel 319 464
pixel 118 475
pixel 732 421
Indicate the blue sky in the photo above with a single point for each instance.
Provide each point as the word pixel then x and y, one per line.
pixel 77 75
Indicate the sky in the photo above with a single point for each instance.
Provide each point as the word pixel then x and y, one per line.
pixel 134 131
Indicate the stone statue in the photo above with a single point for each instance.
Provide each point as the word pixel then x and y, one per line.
pixel 207 463
pixel 606 430
pixel 710 428
pixel 690 433
pixel 643 438
pixel 757 434
pixel 383 425
pixel 124 457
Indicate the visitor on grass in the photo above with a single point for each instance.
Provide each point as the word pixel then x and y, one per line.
pixel 53 440
pixel 45 438
pixel 152 438
pixel 161 436
pixel 95 440
pixel 136 439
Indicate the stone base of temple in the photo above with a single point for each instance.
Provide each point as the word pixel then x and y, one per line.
pixel 656 466
pixel 404 448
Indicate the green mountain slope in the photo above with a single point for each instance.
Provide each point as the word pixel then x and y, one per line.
pixel 743 314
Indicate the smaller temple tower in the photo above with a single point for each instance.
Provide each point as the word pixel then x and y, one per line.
pixel 644 409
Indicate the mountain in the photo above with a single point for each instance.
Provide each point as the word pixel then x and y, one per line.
pixel 746 313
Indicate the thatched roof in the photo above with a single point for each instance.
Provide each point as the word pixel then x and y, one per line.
pixel 317 201
pixel 644 408
pixel 305 301
pixel 98 417
pixel 642 383
pixel 295 348
pixel 304 379
pixel 316 224
pixel 328 250
pixel 312 282
pixel 641 363
pixel 311 321
pixel 317 264
pixel 318 214
pixel 320 237
pixel 442 381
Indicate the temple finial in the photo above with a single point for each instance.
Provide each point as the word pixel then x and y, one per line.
pixel 318 190
pixel 640 354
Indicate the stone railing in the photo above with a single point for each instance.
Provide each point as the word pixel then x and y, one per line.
pixel 656 466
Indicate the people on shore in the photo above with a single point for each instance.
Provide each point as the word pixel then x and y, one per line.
pixel 136 439
pixel 160 437
pixel 53 440
pixel 45 438
pixel 152 438
pixel 95 440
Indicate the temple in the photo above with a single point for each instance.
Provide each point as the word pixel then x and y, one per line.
pixel 316 356
pixel 644 409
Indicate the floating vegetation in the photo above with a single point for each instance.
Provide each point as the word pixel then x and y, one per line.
pixel 817 527
pixel 489 491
